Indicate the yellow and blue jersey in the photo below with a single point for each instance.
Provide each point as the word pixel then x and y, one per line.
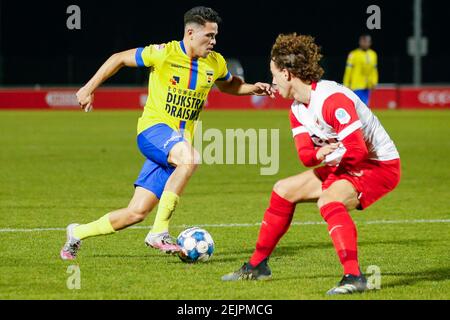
pixel 178 85
pixel 361 70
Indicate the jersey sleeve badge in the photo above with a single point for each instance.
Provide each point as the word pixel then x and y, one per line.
pixel 342 116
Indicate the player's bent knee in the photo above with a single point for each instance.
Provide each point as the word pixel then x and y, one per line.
pixel 281 188
pixel 323 200
pixel 185 155
pixel 295 189
pixel 349 200
pixel 188 168
pixel 328 197
pixel 190 160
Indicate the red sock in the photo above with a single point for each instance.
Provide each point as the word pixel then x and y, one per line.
pixel 343 232
pixel 276 222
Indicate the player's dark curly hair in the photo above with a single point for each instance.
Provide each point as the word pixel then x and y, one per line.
pixel 201 15
pixel 299 54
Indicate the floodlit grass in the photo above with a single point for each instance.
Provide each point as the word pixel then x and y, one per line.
pixel 62 167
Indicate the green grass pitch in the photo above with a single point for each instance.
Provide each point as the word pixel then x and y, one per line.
pixel 62 167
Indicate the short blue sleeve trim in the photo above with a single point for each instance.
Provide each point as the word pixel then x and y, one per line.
pixel 226 78
pixel 139 60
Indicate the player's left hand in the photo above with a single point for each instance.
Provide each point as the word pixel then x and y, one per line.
pixel 85 99
pixel 264 89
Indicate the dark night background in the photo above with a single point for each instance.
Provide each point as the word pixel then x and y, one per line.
pixel 37 48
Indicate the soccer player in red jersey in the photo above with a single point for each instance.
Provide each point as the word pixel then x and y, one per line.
pixel 333 128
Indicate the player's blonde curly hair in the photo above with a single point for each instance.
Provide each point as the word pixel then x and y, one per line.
pixel 299 54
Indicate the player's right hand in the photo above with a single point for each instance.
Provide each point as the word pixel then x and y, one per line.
pixel 85 99
pixel 264 89
pixel 326 150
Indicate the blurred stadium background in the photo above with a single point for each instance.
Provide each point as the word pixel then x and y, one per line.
pixel 37 50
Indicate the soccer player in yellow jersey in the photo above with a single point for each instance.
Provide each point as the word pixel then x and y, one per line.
pixel 361 73
pixel 182 74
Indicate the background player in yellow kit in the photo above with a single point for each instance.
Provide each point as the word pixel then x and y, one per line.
pixel 361 71
pixel 182 74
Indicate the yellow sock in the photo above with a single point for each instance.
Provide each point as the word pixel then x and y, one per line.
pixel 166 207
pixel 96 228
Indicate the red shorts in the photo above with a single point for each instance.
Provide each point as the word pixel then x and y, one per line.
pixel 372 180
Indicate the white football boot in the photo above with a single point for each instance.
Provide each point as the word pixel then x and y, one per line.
pixel 72 245
pixel 162 241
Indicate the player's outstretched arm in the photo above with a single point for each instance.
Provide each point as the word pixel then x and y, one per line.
pixel 85 95
pixel 236 86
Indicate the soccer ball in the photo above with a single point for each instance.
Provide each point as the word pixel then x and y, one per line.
pixel 196 245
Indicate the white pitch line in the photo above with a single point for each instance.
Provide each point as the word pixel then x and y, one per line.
pixel 243 225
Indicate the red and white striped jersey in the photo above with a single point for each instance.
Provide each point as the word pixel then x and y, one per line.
pixel 334 112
